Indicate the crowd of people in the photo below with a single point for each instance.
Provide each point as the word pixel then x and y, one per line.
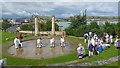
pixel 97 45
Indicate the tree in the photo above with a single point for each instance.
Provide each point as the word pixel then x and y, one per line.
pixel 41 26
pixel 93 25
pixel 117 28
pixel 5 25
pixel 77 21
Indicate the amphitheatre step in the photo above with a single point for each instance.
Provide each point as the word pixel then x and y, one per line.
pixel 94 63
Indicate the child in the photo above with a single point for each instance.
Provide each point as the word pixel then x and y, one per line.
pixel 81 51
pixel 90 49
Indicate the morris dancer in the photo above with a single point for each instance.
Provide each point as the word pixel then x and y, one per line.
pixel 62 43
pixel 52 42
pixel 39 43
pixel 16 43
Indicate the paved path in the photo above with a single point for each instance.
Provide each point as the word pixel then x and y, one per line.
pixel 30 51
pixel 94 63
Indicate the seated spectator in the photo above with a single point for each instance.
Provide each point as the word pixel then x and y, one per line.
pixel 81 51
pixel 100 49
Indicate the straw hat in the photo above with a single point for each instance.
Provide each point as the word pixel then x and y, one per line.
pixel 79 44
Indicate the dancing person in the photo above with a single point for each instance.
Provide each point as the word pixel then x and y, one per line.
pixel 39 43
pixel 16 43
pixel 62 43
pixel 52 42
pixel 20 37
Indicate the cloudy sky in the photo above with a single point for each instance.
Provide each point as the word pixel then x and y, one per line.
pixel 59 9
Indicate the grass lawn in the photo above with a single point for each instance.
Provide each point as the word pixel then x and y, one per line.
pixel 11 60
pixel 7 36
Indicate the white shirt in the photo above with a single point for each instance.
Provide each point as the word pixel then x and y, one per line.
pixel 83 50
pixel 16 41
pixel 116 40
pixel 111 36
pixel 51 41
pixel 62 40
pixel 107 36
pixel 93 42
pixel 38 40
pixel 1 62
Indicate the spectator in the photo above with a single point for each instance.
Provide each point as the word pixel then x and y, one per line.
pixel 81 51
pixel 85 37
pixel 91 35
pixel 90 49
pixel 100 48
pixel 111 38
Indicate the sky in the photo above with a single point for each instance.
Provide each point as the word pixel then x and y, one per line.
pixel 59 9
